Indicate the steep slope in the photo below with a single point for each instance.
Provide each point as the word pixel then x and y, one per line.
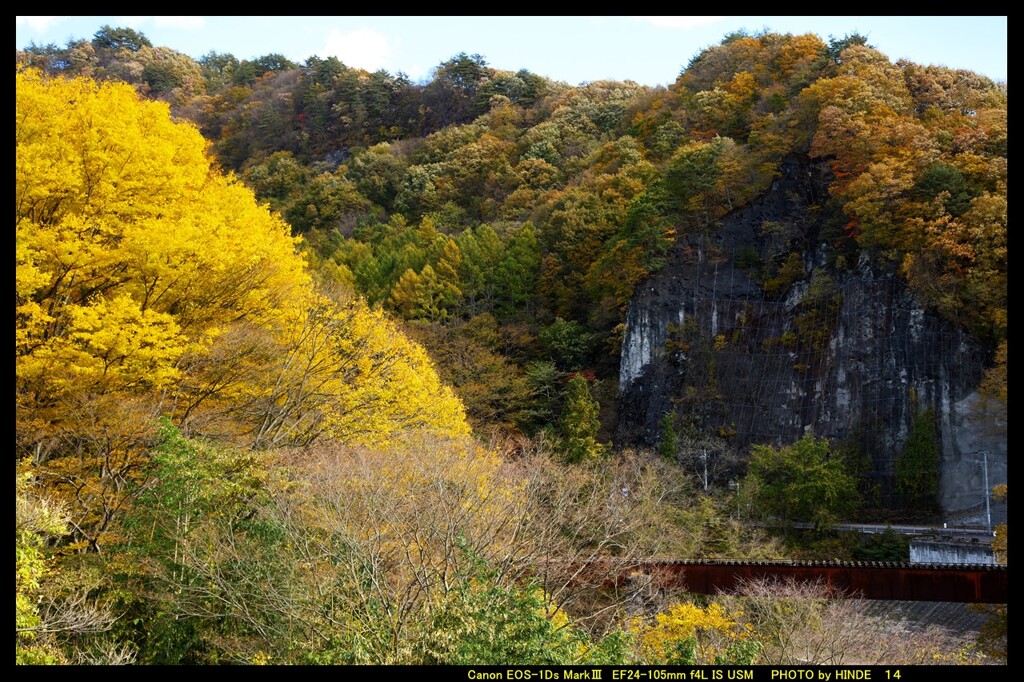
pixel 765 333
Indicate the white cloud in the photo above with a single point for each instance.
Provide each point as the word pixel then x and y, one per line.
pixel 680 22
pixel 162 22
pixel 132 22
pixel 38 23
pixel 363 48
pixel 416 72
pixel 179 22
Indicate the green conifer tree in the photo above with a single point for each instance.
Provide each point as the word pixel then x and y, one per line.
pixel 579 423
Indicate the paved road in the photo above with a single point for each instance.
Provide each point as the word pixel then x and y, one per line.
pixel 973 533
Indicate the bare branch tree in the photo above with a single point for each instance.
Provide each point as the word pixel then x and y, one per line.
pixel 811 623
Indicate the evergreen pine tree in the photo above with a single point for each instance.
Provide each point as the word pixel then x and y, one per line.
pixel 579 423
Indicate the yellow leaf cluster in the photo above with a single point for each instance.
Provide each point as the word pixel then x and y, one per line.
pixel 712 627
pixel 148 282
pixel 129 244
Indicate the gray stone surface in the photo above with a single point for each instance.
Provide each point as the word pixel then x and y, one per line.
pixel 935 551
pixel 702 338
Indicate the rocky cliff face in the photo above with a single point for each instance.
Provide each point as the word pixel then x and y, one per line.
pixel 762 334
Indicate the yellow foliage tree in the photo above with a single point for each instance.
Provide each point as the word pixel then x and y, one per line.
pixel 148 282
pixel 690 634
pixel 999 544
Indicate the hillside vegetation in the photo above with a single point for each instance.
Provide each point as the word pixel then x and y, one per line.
pixel 317 365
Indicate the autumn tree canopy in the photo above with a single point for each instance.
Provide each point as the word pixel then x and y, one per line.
pixel 148 283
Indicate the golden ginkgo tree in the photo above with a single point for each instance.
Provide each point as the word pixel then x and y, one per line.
pixel 150 283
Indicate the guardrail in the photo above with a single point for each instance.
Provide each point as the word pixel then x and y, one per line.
pixel 950 531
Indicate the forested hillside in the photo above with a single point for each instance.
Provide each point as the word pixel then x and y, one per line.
pixel 318 365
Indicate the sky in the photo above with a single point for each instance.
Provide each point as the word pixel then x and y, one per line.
pixel 573 49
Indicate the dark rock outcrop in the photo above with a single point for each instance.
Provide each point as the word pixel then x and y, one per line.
pixel 763 333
